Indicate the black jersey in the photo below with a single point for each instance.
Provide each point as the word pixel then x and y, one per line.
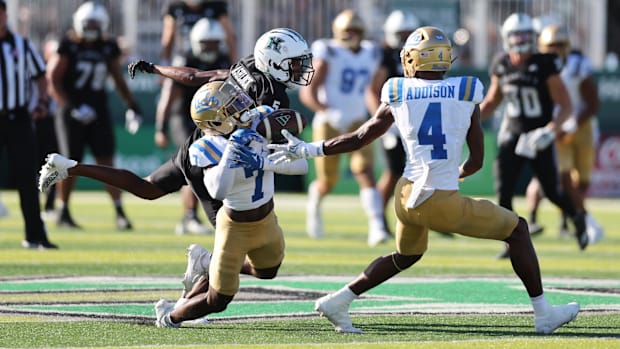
pixel 391 62
pixel 185 17
pixel 87 70
pixel 222 62
pixel 528 101
pixel 262 89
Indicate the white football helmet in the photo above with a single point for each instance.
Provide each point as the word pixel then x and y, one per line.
pixel 217 106
pixel 284 55
pixel 518 33
pixel 90 21
pixel 205 39
pixel 397 27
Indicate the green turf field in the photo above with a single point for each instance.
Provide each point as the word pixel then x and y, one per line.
pixel 97 291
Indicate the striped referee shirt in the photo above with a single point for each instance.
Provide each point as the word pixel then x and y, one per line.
pixel 19 64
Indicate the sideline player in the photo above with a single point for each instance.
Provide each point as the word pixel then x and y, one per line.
pixel 531 85
pixel 344 66
pixel 435 117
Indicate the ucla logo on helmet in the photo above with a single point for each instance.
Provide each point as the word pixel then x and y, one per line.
pixel 203 104
pixel 439 37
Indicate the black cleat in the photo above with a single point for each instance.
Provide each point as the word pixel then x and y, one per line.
pixel 41 245
pixel 65 221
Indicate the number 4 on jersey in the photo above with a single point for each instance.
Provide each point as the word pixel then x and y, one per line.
pixel 431 133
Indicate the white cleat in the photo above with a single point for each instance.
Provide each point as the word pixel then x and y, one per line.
pixel 54 170
pixel 377 236
pixel 314 222
pixel 556 317
pixel 336 311
pixel 195 268
pixel 192 226
pixel 162 309
pixel 594 230
pixel 202 321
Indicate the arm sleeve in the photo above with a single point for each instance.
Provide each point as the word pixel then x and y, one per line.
pixel 219 179
pixel 297 167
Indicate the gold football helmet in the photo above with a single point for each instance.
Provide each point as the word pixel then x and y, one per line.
pixel 348 28
pixel 554 39
pixel 426 49
pixel 217 106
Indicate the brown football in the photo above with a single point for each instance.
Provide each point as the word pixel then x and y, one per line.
pixel 281 119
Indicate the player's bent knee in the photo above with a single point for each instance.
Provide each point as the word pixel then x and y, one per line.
pixel 520 231
pixel 219 302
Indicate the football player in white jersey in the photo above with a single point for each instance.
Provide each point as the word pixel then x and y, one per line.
pixel 575 153
pixel 344 66
pixel 248 239
pixel 435 117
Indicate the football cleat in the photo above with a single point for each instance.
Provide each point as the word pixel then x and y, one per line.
pixel 556 317
pixel 122 223
pixel 195 268
pixel 535 228
pixel 336 310
pixel 377 235
pixel 43 245
pixel 54 170
pixel 162 310
pixel 192 226
pixel 66 221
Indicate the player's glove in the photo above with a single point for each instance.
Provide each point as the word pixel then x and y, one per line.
pixel 294 149
pixel 541 138
pixel 255 115
pixel 84 114
pixel 133 120
pixel 142 66
pixel 244 136
pixel 244 156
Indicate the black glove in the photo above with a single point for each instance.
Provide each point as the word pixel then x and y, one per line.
pixel 140 65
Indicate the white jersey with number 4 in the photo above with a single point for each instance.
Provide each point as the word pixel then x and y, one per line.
pixel 433 117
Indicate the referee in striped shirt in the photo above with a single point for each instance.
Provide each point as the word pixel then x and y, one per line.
pixel 19 63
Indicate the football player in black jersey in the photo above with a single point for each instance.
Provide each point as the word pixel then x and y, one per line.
pixel 397 27
pixel 531 85
pixel 179 17
pixel 174 105
pixel 77 75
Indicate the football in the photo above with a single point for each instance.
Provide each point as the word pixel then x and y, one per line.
pixel 281 119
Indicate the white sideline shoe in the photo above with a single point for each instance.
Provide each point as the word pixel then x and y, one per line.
pixel 314 222
pixel 162 309
pixel 54 170
pixel 556 317
pixel 195 269
pixel 377 235
pixel 192 226
pixel 336 311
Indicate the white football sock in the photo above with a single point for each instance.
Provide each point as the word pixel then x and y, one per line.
pixel 540 304
pixel 346 294
pixel 373 206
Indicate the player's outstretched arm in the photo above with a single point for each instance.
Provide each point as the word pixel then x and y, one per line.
pixel 184 75
pixel 120 178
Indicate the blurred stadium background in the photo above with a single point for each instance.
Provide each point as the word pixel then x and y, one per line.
pixel 472 24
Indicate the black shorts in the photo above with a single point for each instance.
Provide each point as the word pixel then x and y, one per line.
pixel 74 136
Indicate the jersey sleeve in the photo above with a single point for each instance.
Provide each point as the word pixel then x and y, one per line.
pixel 320 49
pixel 205 152
pixel 470 89
pixel 585 68
pixel 64 48
pixel 550 65
pixel 392 90
pixel 497 65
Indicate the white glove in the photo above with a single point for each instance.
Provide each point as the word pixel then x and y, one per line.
pixel 84 114
pixel 294 149
pixel 133 121
pixel 525 147
pixel 541 138
pixel 570 125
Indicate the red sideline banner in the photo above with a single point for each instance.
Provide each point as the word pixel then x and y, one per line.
pixel 605 180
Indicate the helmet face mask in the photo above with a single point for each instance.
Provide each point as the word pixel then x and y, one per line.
pixel 518 34
pixel 217 106
pixel 90 21
pixel 426 49
pixel 284 55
